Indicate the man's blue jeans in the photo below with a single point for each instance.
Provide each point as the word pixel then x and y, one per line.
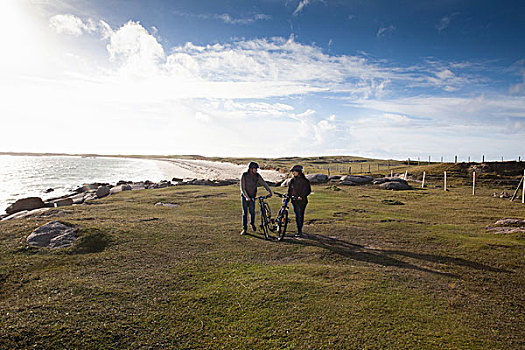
pixel 299 207
pixel 247 206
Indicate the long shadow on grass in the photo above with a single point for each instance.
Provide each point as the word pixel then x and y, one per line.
pixel 361 253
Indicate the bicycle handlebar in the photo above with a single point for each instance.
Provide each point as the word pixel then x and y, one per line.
pixel 262 197
pixel 285 196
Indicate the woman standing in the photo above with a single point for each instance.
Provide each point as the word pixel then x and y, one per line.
pixel 299 188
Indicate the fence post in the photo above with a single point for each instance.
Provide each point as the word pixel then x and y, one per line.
pixel 361 168
pixel 408 163
pixel 377 166
pixel 417 160
pixel 406 174
pixel 368 167
pixel 483 159
pixel 473 183
pixel 349 170
pixel 428 160
pixel 391 173
pixel 455 159
pixel 328 172
pixel 423 183
pixel 441 159
pixel 444 181
pixel 523 194
pixel 469 159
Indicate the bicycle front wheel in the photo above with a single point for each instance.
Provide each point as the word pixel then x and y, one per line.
pixel 282 223
pixel 264 223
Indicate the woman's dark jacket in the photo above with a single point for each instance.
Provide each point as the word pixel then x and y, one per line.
pixel 299 187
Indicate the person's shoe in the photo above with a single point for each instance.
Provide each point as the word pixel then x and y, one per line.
pixel 243 232
pixel 254 228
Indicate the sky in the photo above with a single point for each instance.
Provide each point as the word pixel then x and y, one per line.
pixel 268 78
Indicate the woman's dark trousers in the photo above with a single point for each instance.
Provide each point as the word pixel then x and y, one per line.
pixel 299 207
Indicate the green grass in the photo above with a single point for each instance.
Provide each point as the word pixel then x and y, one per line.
pixel 369 275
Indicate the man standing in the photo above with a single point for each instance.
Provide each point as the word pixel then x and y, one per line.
pixel 249 182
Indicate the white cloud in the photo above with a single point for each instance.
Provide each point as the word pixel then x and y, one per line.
pixel 138 51
pixel 302 4
pixel 227 18
pixel 444 22
pixel 68 24
pixel 382 31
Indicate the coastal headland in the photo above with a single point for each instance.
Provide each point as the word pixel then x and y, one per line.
pixel 166 268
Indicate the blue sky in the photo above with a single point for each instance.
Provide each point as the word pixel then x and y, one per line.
pixel 265 78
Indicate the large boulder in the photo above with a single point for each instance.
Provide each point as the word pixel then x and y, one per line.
pixel 29 203
pixel 317 178
pixel 382 180
pixel 63 202
pixel 357 179
pixel 120 188
pixel 78 198
pixel 24 214
pixel 102 191
pixel 54 234
pixel 396 186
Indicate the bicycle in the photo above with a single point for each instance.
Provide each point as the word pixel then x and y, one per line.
pixel 282 217
pixel 266 216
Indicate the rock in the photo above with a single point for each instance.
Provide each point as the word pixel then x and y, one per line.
pixel 49 190
pixel 358 179
pixel 392 202
pixel 102 191
pixel 317 178
pixel 54 234
pixel 89 197
pixel 62 202
pixel 88 188
pixel 383 180
pixel 334 178
pixel 138 186
pixel 120 188
pixel 29 203
pixel 122 182
pixel 78 198
pixel 510 222
pixel 347 183
pixel 286 182
pixel 177 179
pixel 396 186
pixel 169 205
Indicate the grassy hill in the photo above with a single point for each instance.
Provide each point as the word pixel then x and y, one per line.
pixel 369 275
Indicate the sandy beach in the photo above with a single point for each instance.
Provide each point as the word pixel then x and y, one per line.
pixel 205 169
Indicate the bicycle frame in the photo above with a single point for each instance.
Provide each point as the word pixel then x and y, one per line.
pixel 265 215
pixel 282 217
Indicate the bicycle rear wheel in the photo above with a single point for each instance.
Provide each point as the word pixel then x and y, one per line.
pixel 282 223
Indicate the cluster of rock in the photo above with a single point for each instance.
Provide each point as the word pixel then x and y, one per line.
pixel 387 183
pixel 89 192
pixel 508 226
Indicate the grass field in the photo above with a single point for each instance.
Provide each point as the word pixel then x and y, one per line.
pixel 368 275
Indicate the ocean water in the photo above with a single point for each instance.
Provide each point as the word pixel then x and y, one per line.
pixel 27 176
